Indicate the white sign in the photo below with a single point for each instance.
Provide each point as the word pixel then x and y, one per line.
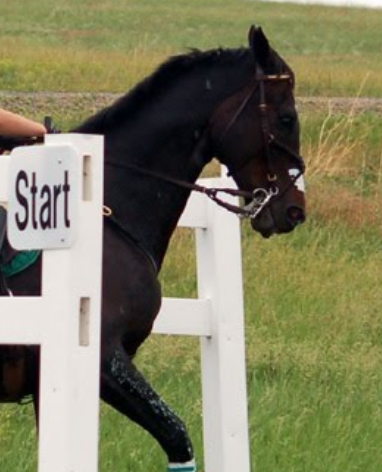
pixel 44 183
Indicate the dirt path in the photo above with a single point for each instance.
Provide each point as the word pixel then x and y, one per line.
pixel 56 103
pixel 341 104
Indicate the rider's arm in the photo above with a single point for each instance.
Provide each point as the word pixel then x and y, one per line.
pixel 12 124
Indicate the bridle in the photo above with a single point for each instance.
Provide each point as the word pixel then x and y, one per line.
pixel 262 197
pixel 258 198
pixel 268 137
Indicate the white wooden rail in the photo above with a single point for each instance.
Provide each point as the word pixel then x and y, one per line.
pixel 217 316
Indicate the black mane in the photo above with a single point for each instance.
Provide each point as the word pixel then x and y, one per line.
pixel 179 65
pixel 174 68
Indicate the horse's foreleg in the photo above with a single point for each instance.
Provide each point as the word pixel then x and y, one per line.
pixel 125 389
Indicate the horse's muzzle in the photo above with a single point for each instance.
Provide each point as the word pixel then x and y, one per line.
pixel 295 216
pixel 269 222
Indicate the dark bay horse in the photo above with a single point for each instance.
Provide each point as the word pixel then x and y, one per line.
pixel 236 105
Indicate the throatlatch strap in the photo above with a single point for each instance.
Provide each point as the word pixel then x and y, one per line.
pixel 189 466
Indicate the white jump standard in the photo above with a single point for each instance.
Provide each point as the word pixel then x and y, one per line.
pixel 65 320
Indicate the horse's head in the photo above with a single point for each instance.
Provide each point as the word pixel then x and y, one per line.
pixel 255 133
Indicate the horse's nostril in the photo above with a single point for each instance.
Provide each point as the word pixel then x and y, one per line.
pixel 296 215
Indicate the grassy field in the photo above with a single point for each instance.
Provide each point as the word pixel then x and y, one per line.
pixel 109 45
pixel 313 298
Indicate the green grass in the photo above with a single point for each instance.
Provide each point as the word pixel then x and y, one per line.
pixel 314 317
pixel 315 369
pixel 313 298
pixel 110 45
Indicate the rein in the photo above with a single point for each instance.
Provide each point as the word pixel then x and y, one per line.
pixel 7 143
pixel 258 196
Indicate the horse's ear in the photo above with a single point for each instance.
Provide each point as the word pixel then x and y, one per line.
pixel 259 45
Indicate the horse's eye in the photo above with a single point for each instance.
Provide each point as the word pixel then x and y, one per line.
pixel 287 120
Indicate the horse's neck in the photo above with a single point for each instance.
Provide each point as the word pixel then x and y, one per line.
pixel 165 136
pixel 148 206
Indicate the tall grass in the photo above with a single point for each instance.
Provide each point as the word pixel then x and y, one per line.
pixel 108 45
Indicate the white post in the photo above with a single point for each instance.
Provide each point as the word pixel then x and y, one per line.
pixel 225 417
pixel 65 322
pixel 217 316
pixel 69 421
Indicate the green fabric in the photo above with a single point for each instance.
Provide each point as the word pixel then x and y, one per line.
pixel 20 262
